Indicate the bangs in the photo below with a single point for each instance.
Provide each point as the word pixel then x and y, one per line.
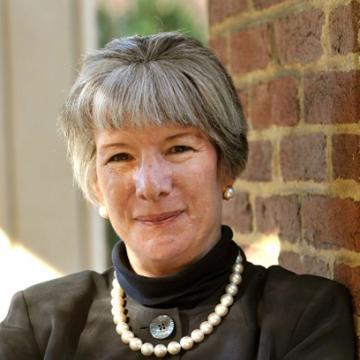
pixel 152 93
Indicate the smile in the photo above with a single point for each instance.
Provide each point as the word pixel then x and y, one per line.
pixel 159 219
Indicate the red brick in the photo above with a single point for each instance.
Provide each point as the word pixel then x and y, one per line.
pixel 262 4
pixel 344 28
pixel 350 277
pixel 238 213
pixel 302 264
pixel 303 157
pixel 331 222
pixel 280 215
pixel 250 49
pixel 298 37
pixel 275 103
pixel 332 97
pixel 218 46
pixel 244 100
pixel 219 10
pixel 346 156
pixel 258 167
pixel 238 6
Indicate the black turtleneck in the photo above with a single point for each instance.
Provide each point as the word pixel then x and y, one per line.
pixel 185 288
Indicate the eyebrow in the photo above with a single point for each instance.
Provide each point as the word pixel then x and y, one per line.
pixel 169 138
pixel 114 144
pixel 182 134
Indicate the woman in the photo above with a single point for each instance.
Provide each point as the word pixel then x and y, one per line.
pixel 157 138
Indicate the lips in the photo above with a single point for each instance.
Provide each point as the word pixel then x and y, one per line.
pixel 159 218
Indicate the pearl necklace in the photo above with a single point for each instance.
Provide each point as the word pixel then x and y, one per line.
pixel 118 299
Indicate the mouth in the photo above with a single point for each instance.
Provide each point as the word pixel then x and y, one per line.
pixel 159 219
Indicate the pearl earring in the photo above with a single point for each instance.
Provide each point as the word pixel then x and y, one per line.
pixel 228 193
pixel 103 212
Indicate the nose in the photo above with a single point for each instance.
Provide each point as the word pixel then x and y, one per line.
pixel 153 178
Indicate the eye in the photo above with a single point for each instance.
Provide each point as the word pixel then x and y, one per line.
pixel 120 157
pixel 178 149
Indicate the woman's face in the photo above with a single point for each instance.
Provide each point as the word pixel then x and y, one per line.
pixel 163 193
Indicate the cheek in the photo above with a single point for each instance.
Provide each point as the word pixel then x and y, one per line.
pixel 203 185
pixel 114 187
pixel 204 166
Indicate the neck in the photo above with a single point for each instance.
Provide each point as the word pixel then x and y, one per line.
pixel 189 286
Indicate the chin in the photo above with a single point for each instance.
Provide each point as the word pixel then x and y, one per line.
pixel 166 249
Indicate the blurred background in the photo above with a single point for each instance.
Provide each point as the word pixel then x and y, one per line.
pixel 46 228
pixel 300 191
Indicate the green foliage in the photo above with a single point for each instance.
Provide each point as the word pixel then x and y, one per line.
pixel 147 17
pixel 105 27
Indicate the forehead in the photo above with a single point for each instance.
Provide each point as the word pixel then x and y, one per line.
pixel 149 134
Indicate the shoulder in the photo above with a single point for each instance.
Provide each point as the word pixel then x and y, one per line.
pixel 281 291
pixel 282 285
pixel 299 295
pixel 306 312
pixel 79 281
pixel 62 304
pixel 68 289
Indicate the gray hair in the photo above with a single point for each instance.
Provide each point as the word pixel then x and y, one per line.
pixel 157 79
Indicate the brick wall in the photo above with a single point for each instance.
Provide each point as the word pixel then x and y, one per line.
pixel 296 69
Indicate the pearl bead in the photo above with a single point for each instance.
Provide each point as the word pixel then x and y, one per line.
pixel 173 348
pixel 239 259
pixel 231 289
pixel 117 301
pixel 197 335
pixel 120 317
pixel 229 193
pixel 221 310
pixel 214 319
pixel 147 349
pixel 116 286
pixel 121 327
pixel 121 310
pixel 135 344
pixel 227 300
pixel 186 342
pixel 114 302
pixel 235 278
pixel 239 268
pixel 126 336
pixel 206 327
pixel 160 350
pixel 118 311
pixel 114 293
